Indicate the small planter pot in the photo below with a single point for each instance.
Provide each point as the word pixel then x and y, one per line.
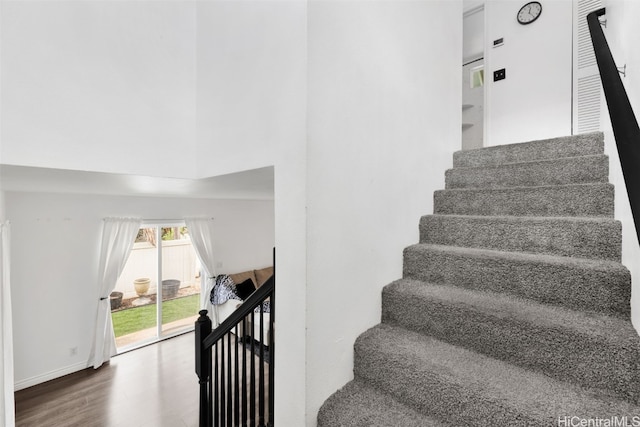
pixel 115 298
pixel 142 285
pixel 170 288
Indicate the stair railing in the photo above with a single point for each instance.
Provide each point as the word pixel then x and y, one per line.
pixel 226 368
pixel 623 121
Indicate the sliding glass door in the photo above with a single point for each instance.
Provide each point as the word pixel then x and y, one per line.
pixel 157 295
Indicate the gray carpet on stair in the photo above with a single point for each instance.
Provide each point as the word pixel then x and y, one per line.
pixel 576 283
pixel 513 309
pixel 574 170
pixel 553 148
pixel 564 236
pixel 468 388
pixel 565 200
pixel 585 349
pixel 374 409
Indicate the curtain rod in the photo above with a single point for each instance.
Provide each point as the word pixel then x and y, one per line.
pixel 147 220
pixel 151 220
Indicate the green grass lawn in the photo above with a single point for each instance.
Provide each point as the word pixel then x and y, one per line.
pixel 144 317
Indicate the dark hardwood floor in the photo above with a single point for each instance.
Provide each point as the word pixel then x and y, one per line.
pixel 154 386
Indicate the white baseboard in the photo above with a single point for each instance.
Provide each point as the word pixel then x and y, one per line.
pixel 39 379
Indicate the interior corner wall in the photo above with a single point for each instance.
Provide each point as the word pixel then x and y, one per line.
pixel 55 249
pixel 622 33
pixel 251 112
pixel 100 85
pixel 250 54
pixel 383 121
pixel 534 101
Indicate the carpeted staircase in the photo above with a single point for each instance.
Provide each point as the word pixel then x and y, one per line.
pixel 513 309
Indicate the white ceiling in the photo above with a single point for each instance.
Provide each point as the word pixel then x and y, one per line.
pixel 256 184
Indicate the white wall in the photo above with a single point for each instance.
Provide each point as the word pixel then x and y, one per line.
pixel 251 112
pixel 99 85
pixel 383 121
pixel 55 244
pixel 622 34
pixel 250 57
pixel 534 101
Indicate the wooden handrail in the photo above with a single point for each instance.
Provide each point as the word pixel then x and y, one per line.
pixel 623 120
pixel 250 304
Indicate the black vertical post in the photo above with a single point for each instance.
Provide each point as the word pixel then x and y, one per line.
pixel 203 367
pixel 272 350
pixel 261 371
pixel 216 388
pixel 252 384
pixel 223 387
pixel 236 385
pixel 244 372
pixel 229 384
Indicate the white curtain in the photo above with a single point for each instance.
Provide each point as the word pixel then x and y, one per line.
pixel 201 232
pixel 118 237
pixel 7 414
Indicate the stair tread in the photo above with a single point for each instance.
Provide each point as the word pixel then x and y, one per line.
pixel 523 162
pixel 528 188
pixel 570 345
pixel 579 169
pixel 571 262
pixel 514 218
pixel 581 200
pixel 567 146
pixel 581 237
pixel 503 306
pixel 578 283
pixel 360 405
pixel 449 381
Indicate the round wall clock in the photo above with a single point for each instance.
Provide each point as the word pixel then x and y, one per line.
pixel 529 12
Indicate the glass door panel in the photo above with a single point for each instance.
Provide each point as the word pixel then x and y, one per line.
pixel 180 288
pixel 158 293
pixel 133 303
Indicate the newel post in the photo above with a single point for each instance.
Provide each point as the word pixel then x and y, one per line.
pixel 203 367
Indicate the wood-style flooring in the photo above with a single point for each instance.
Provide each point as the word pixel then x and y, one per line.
pixel 154 386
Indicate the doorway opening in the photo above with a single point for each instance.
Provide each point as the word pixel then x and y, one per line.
pixel 473 78
pixel 157 296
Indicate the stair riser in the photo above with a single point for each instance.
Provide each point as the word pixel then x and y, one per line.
pixel 358 405
pixel 597 239
pixel 434 395
pixel 465 388
pixel 585 200
pixel 588 360
pixel 579 145
pixel 576 287
pixel 576 170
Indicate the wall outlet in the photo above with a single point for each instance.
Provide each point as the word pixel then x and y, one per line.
pixel 499 74
pixel 73 351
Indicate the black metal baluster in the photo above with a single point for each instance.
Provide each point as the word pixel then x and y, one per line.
pixel 229 385
pixel 236 385
pixel 252 389
pixel 223 387
pixel 244 372
pixel 272 356
pixel 261 370
pixel 216 394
